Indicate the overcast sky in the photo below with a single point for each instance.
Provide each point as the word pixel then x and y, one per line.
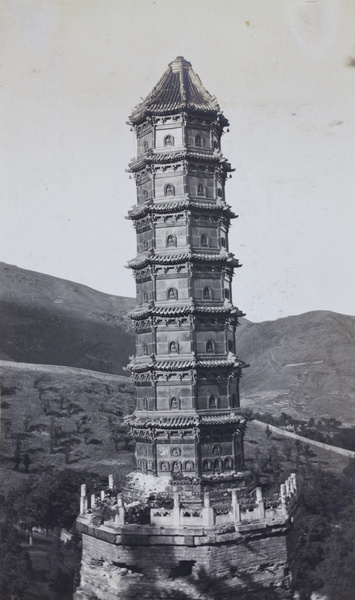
pixel 283 72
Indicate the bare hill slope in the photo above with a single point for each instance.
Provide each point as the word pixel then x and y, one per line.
pixel 63 416
pixel 47 320
pixel 303 365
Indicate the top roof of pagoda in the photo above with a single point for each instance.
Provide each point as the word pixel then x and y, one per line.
pixel 179 89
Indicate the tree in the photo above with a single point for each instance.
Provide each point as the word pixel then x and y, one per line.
pixel 15 565
pixel 64 567
pixel 26 461
pixel 17 454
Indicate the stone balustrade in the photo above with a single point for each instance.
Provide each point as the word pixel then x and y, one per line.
pixel 239 512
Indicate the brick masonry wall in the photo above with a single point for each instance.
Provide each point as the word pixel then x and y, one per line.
pixel 257 561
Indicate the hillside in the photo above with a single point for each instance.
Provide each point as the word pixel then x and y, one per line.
pixel 62 416
pixel 48 320
pixel 303 365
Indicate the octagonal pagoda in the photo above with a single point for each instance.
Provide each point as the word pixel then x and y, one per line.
pixel 185 369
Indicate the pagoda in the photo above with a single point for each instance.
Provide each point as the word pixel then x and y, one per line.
pixel 186 371
pixel 190 517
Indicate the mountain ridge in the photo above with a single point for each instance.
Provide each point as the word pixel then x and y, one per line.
pixel 300 364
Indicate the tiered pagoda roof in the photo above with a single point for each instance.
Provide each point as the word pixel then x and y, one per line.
pixel 184 421
pixel 153 157
pixel 180 257
pixel 181 365
pixel 179 89
pixel 139 211
pixel 182 310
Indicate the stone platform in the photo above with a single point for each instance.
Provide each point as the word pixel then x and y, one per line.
pixel 240 544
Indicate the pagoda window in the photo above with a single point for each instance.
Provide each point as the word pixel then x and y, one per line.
pixel 145 296
pixel 189 465
pixel 234 400
pixel 215 144
pixel 223 242
pixel 216 450
pixel 145 194
pixel 164 466
pixel 204 240
pixel 145 348
pixel 207 465
pixel 145 244
pixel 226 293
pixel 175 452
pixel 198 140
pixel 217 465
pixel 210 347
pixel 200 190
pixel 174 347
pixel 146 146
pixel 177 466
pixel 169 190
pixel 171 241
pixel 219 193
pixel 172 294
pixel 174 403
pixel 169 140
pixel 145 403
pixel 230 345
pixel 206 294
pixel 228 463
pixel 212 403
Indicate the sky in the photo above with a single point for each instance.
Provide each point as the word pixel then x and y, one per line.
pixel 283 72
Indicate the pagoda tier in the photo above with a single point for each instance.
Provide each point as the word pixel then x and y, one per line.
pixel 185 369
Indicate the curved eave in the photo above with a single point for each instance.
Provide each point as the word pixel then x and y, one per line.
pixel 182 422
pixel 139 116
pixel 150 158
pixel 177 311
pixel 176 259
pixel 167 207
pixel 183 365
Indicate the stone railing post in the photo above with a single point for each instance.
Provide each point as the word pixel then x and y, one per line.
pixel 294 483
pixel 207 511
pixel 283 498
pixel 176 509
pixel 260 503
pixel 102 495
pixel 110 482
pixel 119 516
pixel 236 509
pixel 93 501
pixel 83 499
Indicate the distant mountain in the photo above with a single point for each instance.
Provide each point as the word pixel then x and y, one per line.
pixel 303 365
pixel 47 320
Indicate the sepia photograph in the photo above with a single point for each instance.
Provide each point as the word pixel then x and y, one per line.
pixel 177 300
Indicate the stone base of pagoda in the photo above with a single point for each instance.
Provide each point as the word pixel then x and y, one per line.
pixel 221 543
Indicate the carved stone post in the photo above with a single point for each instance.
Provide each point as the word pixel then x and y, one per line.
pixel 261 503
pixel 207 511
pixel 236 509
pixel 176 509
pixel 83 499
pixel 119 516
